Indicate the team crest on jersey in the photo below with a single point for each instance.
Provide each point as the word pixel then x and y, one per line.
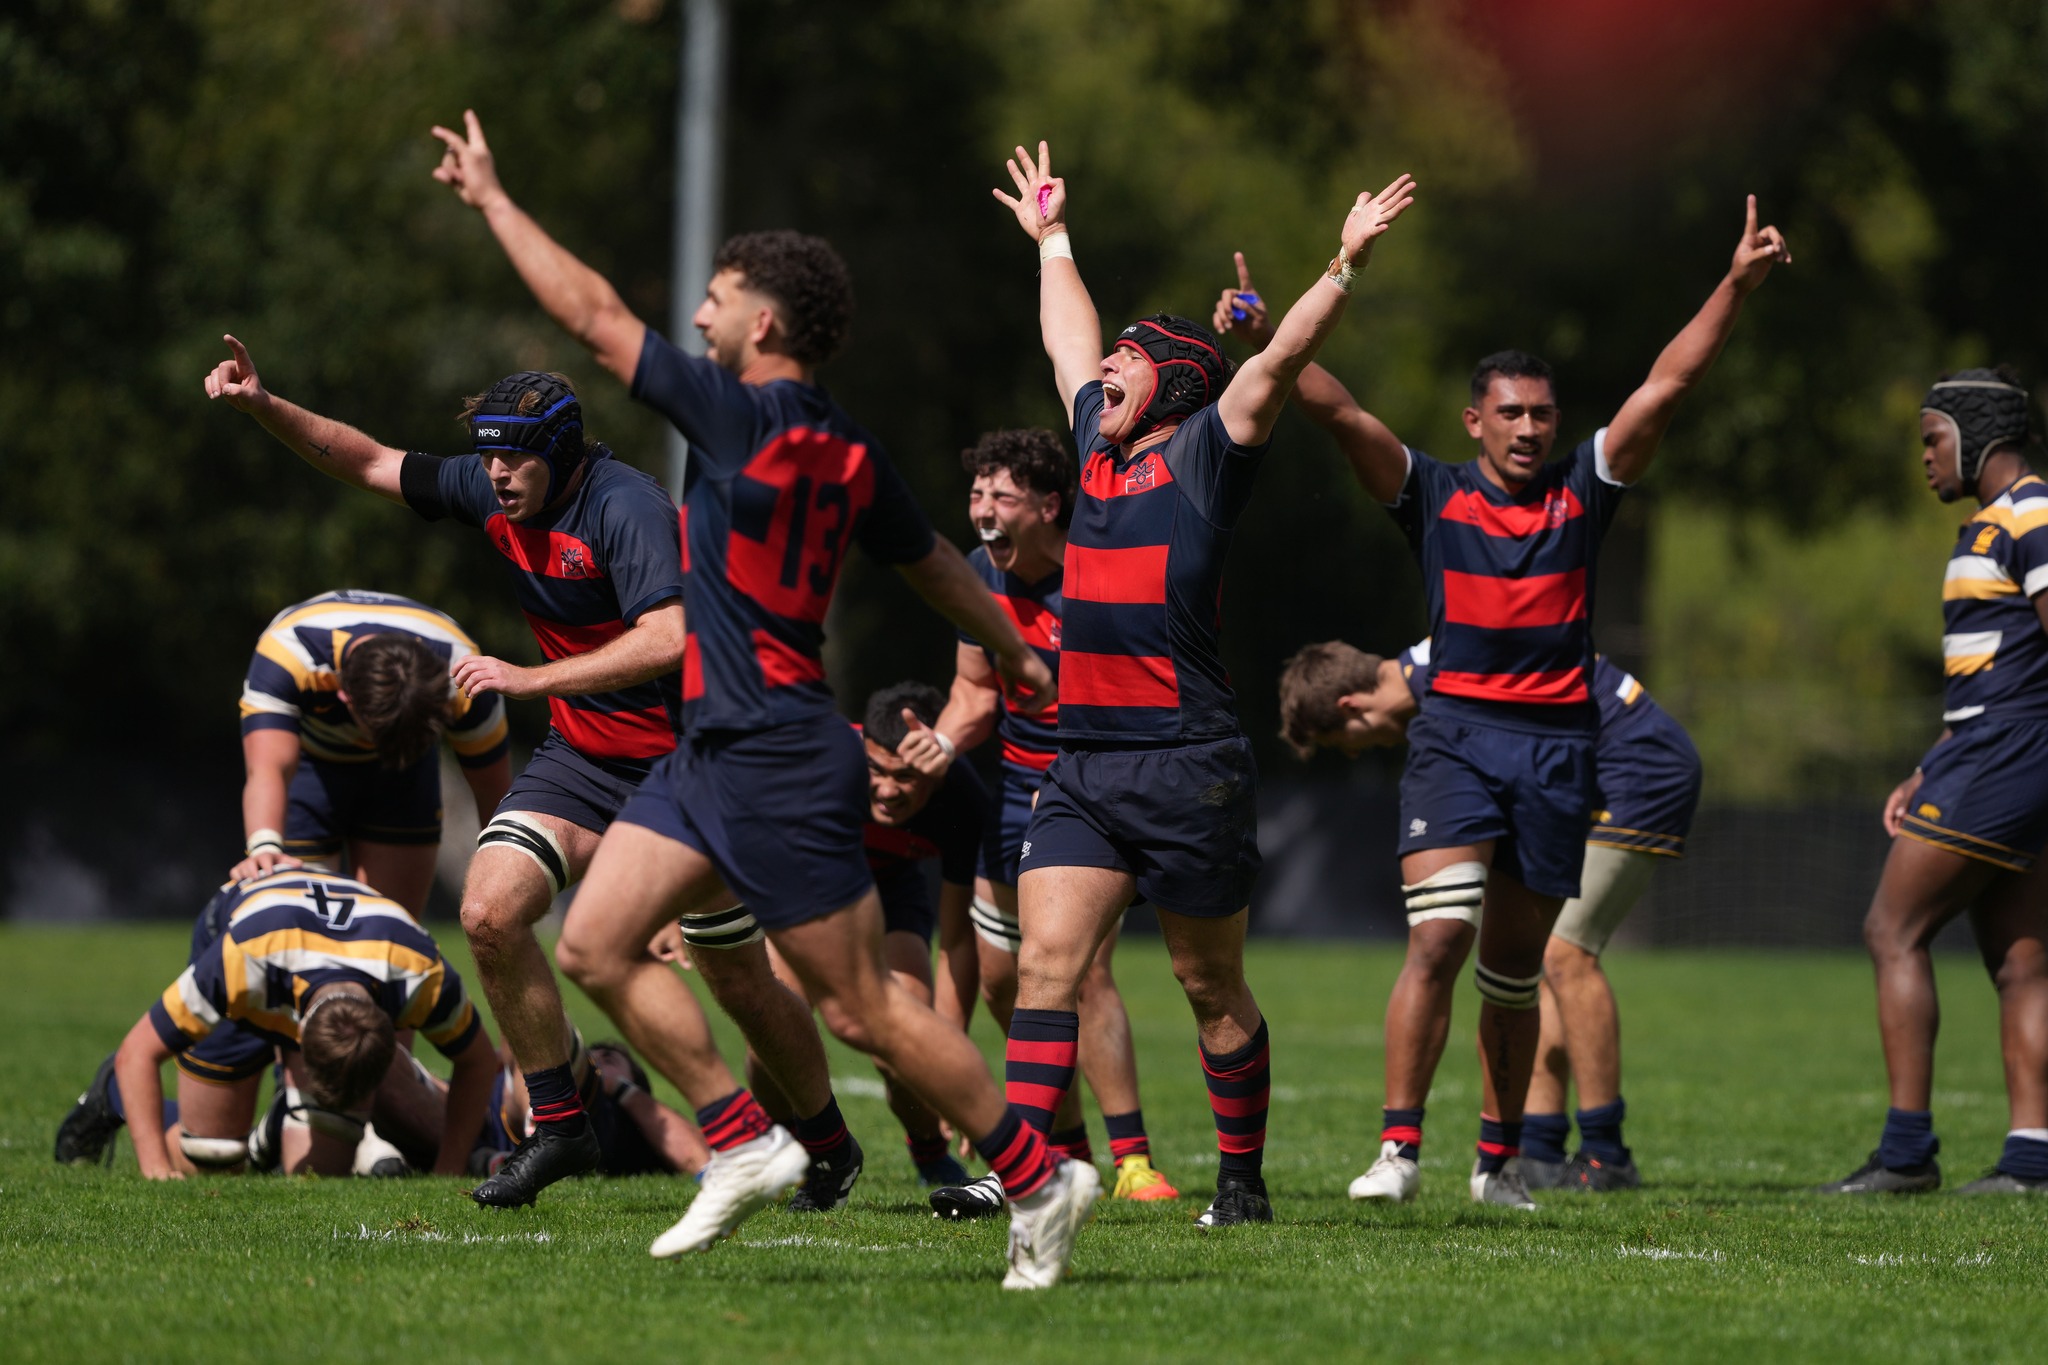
pixel 1052 632
pixel 575 564
pixel 1557 507
pixel 1142 476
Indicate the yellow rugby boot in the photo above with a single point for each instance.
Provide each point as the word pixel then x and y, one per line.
pixel 1137 1178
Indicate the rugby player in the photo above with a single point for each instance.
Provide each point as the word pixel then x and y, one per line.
pixel 1647 779
pixel 1968 824
pixel 327 974
pixel 1152 793
pixel 345 696
pixel 591 546
pixel 1021 503
pixel 765 799
pixel 639 1134
pixel 1497 794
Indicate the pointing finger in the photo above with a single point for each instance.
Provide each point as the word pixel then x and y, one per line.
pixel 454 140
pixel 1749 226
pixel 1044 160
pixel 1244 272
pixel 476 130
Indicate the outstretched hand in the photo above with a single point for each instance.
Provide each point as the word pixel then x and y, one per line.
pixel 1759 250
pixel 1041 200
pixel 1374 214
pixel 921 748
pixel 478 674
pixel 467 165
pixel 1241 310
pixel 235 381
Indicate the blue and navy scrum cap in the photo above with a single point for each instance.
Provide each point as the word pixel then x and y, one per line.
pixel 551 428
pixel 1189 370
pixel 1986 411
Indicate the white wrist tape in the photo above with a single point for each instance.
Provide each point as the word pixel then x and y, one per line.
pixel 1055 244
pixel 952 750
pixel 262 839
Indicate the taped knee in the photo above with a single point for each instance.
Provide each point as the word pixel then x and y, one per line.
pixel 334 1123
pixel 734 928
pixel 1509 992
pixel 520 831
pixel 1455 892
pixel 995 928
pixel 213 1154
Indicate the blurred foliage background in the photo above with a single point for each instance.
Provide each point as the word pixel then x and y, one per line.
pixel 174 169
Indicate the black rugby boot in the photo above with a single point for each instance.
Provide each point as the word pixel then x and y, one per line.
pixel 1874 1177
pixel 88 1131
pixel 539 1162
pixel 1239 1199
pixel 831 1180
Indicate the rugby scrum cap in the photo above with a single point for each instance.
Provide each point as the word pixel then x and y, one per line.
pixel 1986 411
pixel 551 428
pixel 1189 372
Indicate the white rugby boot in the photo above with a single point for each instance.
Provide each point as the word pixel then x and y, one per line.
pixel 1393 1177
pixel 1044 1224
pixel 739 1183
pixel 1503 1187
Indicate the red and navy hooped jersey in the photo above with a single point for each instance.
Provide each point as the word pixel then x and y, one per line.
pixel 948 828
pixel 286 935
pixel 1510 582
pixel 1994 651
pixel 584 573
pixel 1142 597
pixel 781 484
pixel 1029 741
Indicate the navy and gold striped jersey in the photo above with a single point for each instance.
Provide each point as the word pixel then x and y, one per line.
pixel 291 932
pixel 1993 649
pixel 293 683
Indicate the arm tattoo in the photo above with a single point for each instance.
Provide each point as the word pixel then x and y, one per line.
pixel 324 452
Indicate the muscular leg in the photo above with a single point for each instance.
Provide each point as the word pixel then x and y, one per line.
pixel 1550 1083
pixel 909 959
pixel 1108 1059
pixel 504 896
pixel 1588 1029
pixel 1512 935
pixel 213 1109
pixel 1419 1010
pixel 1066 913
pixel 999 978
pixel 959 975
pixel 404 872
pixel 1922 889
pixel 2011 928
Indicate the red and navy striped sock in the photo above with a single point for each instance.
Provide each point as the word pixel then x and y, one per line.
pixel 1405 1127
pixel 1240 1087
pixel 1127 1135
pixel 824 1133
pixel 1016 1152
pixel 1038 1064
pixel 733 1120
pixel 552 1099
pixel 1498 1141
pixel 925 1150
pixel 1072 1143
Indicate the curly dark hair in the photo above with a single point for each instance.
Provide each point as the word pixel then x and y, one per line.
pixel 1035 458
pixel 885 724
pixel 808 281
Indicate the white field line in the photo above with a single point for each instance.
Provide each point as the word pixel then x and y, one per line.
pixel 364 1234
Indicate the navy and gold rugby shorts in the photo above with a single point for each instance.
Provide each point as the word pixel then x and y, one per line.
pixel 779 812
pixel 332 804
pixel 1182 820
pixel 1647 779
pixel 1984 793
pixel 1531 794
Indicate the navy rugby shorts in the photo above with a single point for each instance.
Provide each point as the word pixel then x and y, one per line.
pixel 1984 793
pixel 1182 820
pixel 1009 816
pixel 1647 779
pixel 1531 794
pixel 779 812
pixel 561 782
pixel 330 804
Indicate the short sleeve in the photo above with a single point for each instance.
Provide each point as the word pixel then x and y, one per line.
pixel 642 551
pixel 450 1022
pixel 192 1006
pixel 1087 418
pixel 1422 495
pixel 480 735
pixel 706 402
pixel 437 486
pixel 2029 548
pixel 1596 486
pixel 1415 667
pixel 270 696
pixel 1215 471
pixel 894 529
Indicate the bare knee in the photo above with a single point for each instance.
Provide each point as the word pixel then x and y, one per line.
pixel 585 965
pixel 2023 966
pixel 1567 963
pixel 1437 949
pixel 851 1025
pixel 1210 986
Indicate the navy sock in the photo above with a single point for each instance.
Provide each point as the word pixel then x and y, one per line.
pixel 824 1132
pixel 1600 1131
pixel 551 1097
pixel 1544 1136
pixel 1405 1127
pixel 1498 1141
pixel 2024 1157
pixel 114 1100
pixel 170 1112
pixel 1908 1140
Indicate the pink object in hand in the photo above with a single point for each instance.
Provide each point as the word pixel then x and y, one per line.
pixel 1044 198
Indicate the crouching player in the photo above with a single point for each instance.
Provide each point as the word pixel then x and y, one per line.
pixel 637 1133
pixel 1647 784
pixel 1968 825
pixel 345 696
pixel 327 972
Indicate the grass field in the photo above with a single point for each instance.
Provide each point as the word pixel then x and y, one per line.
pixel 1749 1078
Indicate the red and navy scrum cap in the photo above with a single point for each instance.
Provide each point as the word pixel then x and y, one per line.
pixel 1189 370
pixel 551 428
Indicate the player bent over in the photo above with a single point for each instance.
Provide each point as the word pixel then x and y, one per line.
pixel 1647 779
pixel 765 798
pixel 591 546
pixel 1021 502
pixel 344 698
pixel 1152 793
pixel 1497 794
pixel 639 1134
pixel 327 972
pixel 1969 824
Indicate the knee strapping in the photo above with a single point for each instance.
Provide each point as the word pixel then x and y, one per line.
pixel 1454 892
pixel 520 831
pixel 996 929
pixel 1509 992
pixel 734 928
pixel 334 1123
pixel 213 1154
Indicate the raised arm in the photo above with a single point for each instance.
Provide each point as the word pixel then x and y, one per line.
pixel 1633 436
pixel 1377 458
pixel 332 447
pixel 1252 403
pixel 582 301
pixel 1066 315
pixel 943 579
pixel 650 647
